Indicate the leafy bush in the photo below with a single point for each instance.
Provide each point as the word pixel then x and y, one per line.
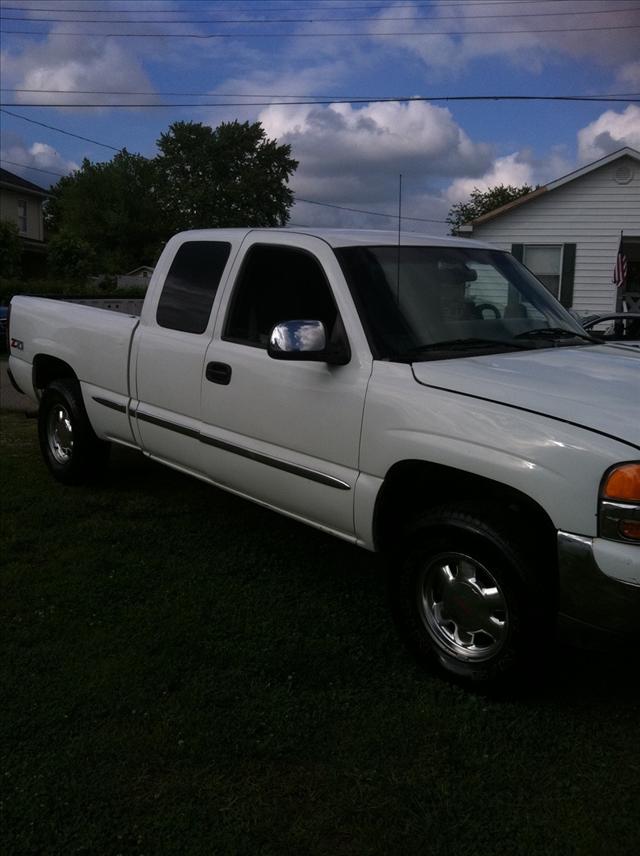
pixel 62 288
pixel 71 257
pixel 482 201
pixel 10 249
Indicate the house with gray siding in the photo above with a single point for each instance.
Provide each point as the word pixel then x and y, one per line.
pixel 568 232
pixel 21 203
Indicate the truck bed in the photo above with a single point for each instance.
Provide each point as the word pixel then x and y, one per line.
pixel 94 342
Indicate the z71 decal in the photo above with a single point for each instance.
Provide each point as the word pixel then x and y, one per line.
pixel 17 344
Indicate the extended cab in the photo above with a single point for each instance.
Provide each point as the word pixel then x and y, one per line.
pixel 426 398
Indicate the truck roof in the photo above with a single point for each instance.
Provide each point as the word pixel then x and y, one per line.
pixel 344 237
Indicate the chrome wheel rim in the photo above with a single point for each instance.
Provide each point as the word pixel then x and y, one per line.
pixel 60 434
pixel 462 606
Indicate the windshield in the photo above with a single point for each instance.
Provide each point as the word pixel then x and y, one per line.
pixel 420 303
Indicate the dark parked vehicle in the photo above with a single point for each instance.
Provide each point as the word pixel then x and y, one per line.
pixel 4 313
pixel 621 327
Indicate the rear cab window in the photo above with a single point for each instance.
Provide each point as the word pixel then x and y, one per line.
pixel 191 285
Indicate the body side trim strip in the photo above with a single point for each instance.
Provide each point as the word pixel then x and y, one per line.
pixel 162 423
pixel 294 469
pixel 312 475
pixel 112 405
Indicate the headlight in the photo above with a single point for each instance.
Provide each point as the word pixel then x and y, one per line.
pixel 619 508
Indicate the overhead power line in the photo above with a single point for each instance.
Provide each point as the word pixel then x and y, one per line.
pixel 373 6
pixel 315 20
pixel 351 35
pixel 373 213
pixel 332 99
pixel 296 198
pixel 635 98
pixel 34 168
pixel 59 130
pixel 182 93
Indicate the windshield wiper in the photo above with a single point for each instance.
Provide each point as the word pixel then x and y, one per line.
pixel 470 342
pixel 553 333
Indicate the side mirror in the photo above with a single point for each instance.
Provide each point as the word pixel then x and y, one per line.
pixel 305 340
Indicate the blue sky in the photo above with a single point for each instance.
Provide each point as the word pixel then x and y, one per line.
pixel 350 153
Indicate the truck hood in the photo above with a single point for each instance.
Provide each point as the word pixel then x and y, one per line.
pixel 597 388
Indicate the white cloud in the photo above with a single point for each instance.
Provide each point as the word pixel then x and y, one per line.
pixel 422 213
pixel 69 58
pixel 67 63
pixel 360 144
pixel 609 132
pixel 510 169
pixel 582 34
pixel 46 157
pixel 17 156
pixel 353 155
pixel 630 73
pixel 293 81
pixel 516 169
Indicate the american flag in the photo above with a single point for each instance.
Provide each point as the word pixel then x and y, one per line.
pixel 621 268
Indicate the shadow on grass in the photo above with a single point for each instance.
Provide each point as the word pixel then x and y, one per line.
pixel 571 677
pixel 188 672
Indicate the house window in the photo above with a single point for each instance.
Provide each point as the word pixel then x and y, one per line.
pixel 22 216
pixel 545 261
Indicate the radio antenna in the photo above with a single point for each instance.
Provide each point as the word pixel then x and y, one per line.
pixel 399 239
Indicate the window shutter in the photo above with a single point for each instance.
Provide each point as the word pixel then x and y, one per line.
pixel 568 273
pixel 517 250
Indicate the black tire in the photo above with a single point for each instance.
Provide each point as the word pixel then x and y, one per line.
pixel 68 443
pixel 469 600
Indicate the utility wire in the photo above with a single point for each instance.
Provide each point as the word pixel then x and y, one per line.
pixel 314 20
pixel 280 9
pixel 79 136
pixel 311 102
pixel 209 94
pixel 351 35
pixel 332 99
pixel 34 168
pixel 296 198
pixel 362 211
pixel 59 130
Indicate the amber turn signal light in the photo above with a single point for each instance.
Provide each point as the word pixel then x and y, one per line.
pixel 623 483
pixel 630 529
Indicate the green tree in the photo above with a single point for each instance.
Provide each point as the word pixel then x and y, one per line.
pixel 482 201
pixel 10 250
pixel 112 207
pixel 70 257
pixel 126 208
pixel 231 176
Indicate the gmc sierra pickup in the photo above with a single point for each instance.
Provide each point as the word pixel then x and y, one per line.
pixel 425 397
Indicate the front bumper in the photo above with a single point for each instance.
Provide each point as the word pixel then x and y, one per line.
pixel 595 610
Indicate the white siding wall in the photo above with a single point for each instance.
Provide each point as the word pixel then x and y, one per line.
pixel 590 212
pixel 9 211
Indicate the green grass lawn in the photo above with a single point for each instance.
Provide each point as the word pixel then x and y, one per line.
pixel 184 672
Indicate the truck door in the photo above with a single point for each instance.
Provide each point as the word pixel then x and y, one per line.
pixel 170 347
pixel 285 433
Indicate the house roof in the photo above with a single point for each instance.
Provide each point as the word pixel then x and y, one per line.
pixel 137 270
pixel 553 185
pixel 15 182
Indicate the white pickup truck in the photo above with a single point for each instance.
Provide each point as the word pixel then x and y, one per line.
pixel 424 397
